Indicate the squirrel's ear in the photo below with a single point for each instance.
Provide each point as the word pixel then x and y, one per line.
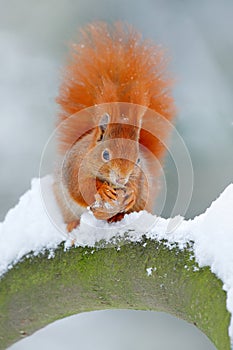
pixel 104 120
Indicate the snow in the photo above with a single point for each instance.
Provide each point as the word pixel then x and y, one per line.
pixel 150 270
pixel 27 228
pixel 36 225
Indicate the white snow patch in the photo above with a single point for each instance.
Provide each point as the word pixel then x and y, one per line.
pixel 212 233
pixel 149 270
pixel 36 224
pixel 27 227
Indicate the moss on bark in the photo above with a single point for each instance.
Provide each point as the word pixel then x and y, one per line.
pixel 39 290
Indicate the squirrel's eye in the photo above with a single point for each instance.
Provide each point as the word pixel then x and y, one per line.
pixel 138 160
pixel 106 155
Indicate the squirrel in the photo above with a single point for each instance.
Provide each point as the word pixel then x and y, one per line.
pixel 114 100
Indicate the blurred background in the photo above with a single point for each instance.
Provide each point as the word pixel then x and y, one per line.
pixel 34 38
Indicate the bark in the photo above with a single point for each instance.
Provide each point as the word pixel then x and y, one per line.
pixel 38 290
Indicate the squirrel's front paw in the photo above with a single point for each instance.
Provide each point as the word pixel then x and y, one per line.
pixel 108 202
pixel 107 193
pixel 129 199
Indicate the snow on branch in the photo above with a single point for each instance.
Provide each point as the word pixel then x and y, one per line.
pixel 35 225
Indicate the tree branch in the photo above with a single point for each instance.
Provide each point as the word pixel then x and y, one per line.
pixel 141 276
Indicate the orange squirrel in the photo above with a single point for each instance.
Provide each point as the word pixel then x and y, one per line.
pixel 108 150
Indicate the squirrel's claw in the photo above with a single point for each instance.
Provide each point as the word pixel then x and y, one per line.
pixel 130 199
pixel 107 193
pixel 111 204
pixel 130 203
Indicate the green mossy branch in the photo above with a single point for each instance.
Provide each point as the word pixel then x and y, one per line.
pixel 39 290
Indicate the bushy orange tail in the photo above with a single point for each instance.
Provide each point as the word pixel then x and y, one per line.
pixel 114 64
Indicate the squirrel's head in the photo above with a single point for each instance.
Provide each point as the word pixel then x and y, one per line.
pixel 116 151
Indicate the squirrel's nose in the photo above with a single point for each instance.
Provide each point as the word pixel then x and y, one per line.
pixel 121 180
pixel 118 179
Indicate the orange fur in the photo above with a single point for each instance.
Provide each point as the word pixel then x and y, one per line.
pixel 112 64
